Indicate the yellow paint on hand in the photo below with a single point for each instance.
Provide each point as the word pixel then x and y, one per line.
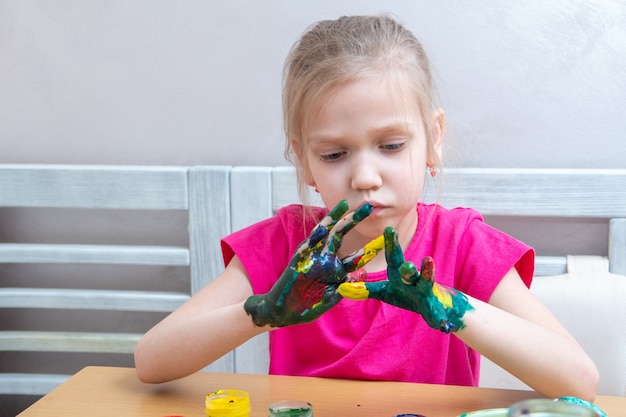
pixel 443 295
pixel 304 266
pixel 371 250
pixel 354 290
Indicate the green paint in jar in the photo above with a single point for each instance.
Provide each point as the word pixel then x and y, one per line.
pixel 290 408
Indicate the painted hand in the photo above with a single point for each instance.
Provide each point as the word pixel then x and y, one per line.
pixel 308 286
pixel 442 307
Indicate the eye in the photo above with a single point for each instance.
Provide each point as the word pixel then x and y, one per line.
pixel 331 157
pixel 393 147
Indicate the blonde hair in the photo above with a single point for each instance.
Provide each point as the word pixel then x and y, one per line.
pixel 334 52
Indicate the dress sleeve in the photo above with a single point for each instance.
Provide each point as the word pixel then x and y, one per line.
pixel 486 255
pixel 262 250
pixel 265 248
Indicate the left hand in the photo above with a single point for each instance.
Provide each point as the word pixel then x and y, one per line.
pixel 308 286
pixel 441 307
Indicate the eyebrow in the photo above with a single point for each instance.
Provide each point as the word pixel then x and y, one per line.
pixel 397 128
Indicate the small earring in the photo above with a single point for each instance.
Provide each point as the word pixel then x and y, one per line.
pixel 432 171
pixel 315 188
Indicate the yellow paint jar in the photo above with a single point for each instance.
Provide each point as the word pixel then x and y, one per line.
pixel 227 403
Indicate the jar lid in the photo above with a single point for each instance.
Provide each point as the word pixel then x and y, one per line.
pixel 228 400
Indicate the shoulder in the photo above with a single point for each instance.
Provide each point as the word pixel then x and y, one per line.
pixel 437 216
pixel 475 253
pixel 288 220
pixel 264 248
pixel 454 212
pixel 297 218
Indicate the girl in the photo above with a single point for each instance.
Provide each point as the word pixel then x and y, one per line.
pixel 362 128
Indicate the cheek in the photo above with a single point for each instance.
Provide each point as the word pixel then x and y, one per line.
pixel 304 168
pixel 410 184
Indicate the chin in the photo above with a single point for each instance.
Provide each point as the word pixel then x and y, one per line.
pixel 372 227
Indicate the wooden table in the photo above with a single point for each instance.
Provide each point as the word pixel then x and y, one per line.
pixel 108 391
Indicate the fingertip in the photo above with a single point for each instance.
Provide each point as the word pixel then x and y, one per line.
pixel 407 270
pixel 391 237
pixel 339 210
pixel 427 270
pixel 317 235
pixel 362 212
pixel 357 275
pixel 366 206
pixel 393 251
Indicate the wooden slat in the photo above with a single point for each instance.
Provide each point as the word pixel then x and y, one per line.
pixel 93 254
pixel 118 300
pixel 93 186
pixel 209 221
pixel 251 195
pixel 285 189
pixel 550 265
pixel 533 192
pixel 251 198
pixel 617 246
pixel 30 384
pixel 509 191
pixel 35 341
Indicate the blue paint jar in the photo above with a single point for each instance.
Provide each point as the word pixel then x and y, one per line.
pixel 550 408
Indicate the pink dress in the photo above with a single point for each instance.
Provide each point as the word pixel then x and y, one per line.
pixel 369 339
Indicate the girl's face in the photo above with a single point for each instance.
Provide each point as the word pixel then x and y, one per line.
pixel 368 144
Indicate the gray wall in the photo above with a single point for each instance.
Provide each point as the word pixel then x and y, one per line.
pixel 525 84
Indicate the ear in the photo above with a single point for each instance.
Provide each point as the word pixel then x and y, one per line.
pixel 302 166
pixel 436 138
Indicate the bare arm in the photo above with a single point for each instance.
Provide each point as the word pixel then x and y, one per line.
pixel 517 332
pixel 212 323
pixel 225 313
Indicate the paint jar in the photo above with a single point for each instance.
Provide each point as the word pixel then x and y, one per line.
pixel 290 408
pixel 409 415
pixel 575 400
pixel 227 403
pixel 550 408
pixel 490 412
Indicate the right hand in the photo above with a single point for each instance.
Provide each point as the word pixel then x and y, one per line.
pixel 308 286
pixel 441 307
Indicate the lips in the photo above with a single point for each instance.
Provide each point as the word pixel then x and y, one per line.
pixel 377 208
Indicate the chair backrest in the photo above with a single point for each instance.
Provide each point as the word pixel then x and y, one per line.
pixel 219 199
pixel 552 194
pixel 202 193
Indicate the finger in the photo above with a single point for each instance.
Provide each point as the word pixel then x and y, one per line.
pixel 408 273
pixel 329 221
pixel 321 230
pixel 428 269
pixel 393 251
pixel 363 290
pixel 354 290
pixel 361 257
pixel 344 225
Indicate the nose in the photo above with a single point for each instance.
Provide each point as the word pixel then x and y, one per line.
pixel 365 173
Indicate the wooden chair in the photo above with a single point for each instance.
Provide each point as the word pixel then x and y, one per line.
pixel 528 194
pixel 220 199
pixel 201 192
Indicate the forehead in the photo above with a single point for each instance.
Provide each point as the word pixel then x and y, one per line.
pixel 363 102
